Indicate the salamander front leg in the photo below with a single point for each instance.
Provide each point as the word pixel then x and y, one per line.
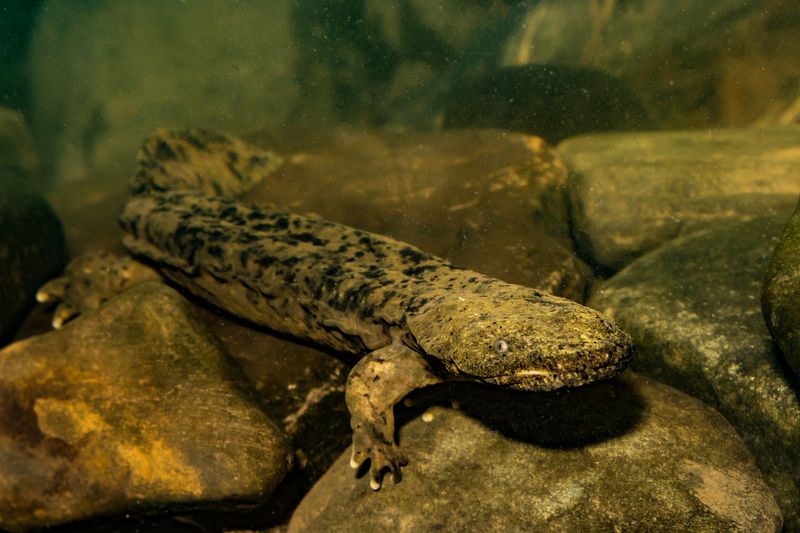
pixel 90 280
pixel 377 382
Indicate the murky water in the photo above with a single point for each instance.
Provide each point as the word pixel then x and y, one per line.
pixel 309 185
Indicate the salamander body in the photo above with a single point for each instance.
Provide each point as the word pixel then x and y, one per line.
pixel 413 319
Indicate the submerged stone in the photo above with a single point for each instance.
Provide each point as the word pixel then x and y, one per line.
pixel 131 408
pixel 628 454
pixel 631 193
pixel 780 299
pixel 692 308
pixel 17 153
pixel 32 246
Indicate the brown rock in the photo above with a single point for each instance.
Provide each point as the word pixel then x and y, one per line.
pixel 780 298
pixel 631 193
pixel 300 386
pixel 129 408
pixel 629 454
pixel 32 249
pixel 17 153
pixel 692 308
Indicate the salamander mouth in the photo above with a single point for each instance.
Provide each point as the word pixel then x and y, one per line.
pixel 546 380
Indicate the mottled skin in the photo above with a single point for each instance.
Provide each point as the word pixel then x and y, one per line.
pixel 414 319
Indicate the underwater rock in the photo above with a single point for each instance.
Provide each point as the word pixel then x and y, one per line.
pixel 780 299
pixel 131 408
pixel 32 248
pixel 551 101
pixel 18 156
pixel 104 76
pixel 487 200
pixel 300 386
pixel 625 454
pixel 692 308
pixel 632 192
pixel 694 64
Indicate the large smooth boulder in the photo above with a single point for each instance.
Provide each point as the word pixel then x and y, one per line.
pixel 693 310
pixel 630 454
pixel 780 298
pixel 631 193
pixel 32 249
pixel 32 244
pixel 132 408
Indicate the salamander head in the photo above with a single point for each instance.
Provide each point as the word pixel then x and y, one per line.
pixel 521 338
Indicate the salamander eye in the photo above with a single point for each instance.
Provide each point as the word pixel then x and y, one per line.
pixel 500 346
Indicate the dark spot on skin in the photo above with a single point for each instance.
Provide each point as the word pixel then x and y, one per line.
pixel 233 156
pixel 331 284
pixel 416 304
pixel 216 251
pixel 308 237
pixel 282 223
pixel 334 271
pixel 317 288
pixel 233 170
pixel 291 261
pixel 262 227
pixel 373 272
pixel 164 151
pixel 133 226
pixel 266 261
pixel 413 255
pixel 416 271
pixel 217 235
pixel 194 141
pixel 247 238
pixel 353 298
pixel 181 232
pixel 256 160
pixel 255 214
pixel 228 212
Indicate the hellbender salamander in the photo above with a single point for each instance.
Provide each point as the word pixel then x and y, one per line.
pixel 414 319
